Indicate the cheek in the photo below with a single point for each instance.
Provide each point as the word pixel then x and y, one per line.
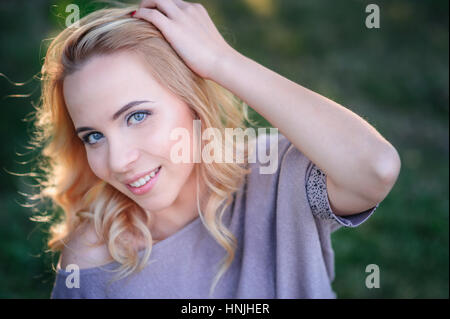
pixel 154 147
pixel 97 164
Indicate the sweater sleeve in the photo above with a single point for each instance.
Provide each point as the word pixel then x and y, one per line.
pixel 314 181
pixel 296 170
pixel 316 189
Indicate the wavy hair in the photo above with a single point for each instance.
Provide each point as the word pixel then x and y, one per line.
pixel 68 180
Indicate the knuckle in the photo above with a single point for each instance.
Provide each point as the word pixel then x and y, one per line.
pixel 145 3
pixel 150 13
pixel 199 6
pixel 192 7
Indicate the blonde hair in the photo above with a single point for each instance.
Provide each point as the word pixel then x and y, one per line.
pixel 68 180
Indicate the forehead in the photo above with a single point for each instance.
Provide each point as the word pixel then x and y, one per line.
pixel 109 81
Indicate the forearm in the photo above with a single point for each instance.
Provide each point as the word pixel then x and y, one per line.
pixel 348 149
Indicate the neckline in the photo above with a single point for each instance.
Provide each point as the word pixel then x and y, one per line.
pixel 157 246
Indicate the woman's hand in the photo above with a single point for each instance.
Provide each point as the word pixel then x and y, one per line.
pixel 190 31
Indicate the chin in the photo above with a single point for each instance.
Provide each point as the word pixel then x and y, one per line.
pixel 157 202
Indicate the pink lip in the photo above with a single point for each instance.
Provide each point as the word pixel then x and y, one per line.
pixel 137 177
pixel 146 187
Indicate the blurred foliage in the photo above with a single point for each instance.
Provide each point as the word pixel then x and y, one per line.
pixel 395 77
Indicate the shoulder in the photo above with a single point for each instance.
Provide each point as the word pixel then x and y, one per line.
pixel 82 250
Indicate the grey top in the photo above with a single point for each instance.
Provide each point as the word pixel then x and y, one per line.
pixel 282 222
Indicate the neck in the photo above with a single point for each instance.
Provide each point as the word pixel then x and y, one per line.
pixel 184 210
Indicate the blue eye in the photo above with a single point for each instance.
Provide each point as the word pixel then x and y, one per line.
pixel 92 138
pixel 137 117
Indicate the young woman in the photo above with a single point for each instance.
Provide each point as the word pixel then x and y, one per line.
pixel 118 88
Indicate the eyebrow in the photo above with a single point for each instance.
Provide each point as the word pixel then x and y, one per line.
pixel 115 116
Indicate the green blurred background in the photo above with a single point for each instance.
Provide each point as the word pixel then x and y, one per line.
pixel 395 77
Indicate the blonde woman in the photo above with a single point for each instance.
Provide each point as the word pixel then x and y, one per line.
pixel 136 223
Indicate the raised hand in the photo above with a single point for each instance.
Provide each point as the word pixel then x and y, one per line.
pixel 190 31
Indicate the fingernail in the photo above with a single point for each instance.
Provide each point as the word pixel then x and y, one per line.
pixel 132 13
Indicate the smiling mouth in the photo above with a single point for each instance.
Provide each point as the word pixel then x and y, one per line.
pixel 145 179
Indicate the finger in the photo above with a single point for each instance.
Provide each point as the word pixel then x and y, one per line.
pixel 168 7
pixel 154 16
pixel 193 8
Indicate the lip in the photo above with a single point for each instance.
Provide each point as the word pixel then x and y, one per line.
pixel 137 177
pixel 146 187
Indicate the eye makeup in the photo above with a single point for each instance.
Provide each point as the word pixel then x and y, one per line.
pixel 138 120
pixel 138 117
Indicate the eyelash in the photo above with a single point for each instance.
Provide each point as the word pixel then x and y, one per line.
pixel 85 138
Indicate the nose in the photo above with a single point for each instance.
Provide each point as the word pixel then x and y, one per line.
pixel 122 155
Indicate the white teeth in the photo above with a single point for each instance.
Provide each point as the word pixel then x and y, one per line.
pixel 143 180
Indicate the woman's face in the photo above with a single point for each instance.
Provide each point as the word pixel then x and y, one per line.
pixel 124 117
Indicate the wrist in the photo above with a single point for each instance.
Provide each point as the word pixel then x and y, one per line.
pixel 223 64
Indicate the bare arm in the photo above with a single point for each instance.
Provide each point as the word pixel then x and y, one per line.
pixel 361 166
